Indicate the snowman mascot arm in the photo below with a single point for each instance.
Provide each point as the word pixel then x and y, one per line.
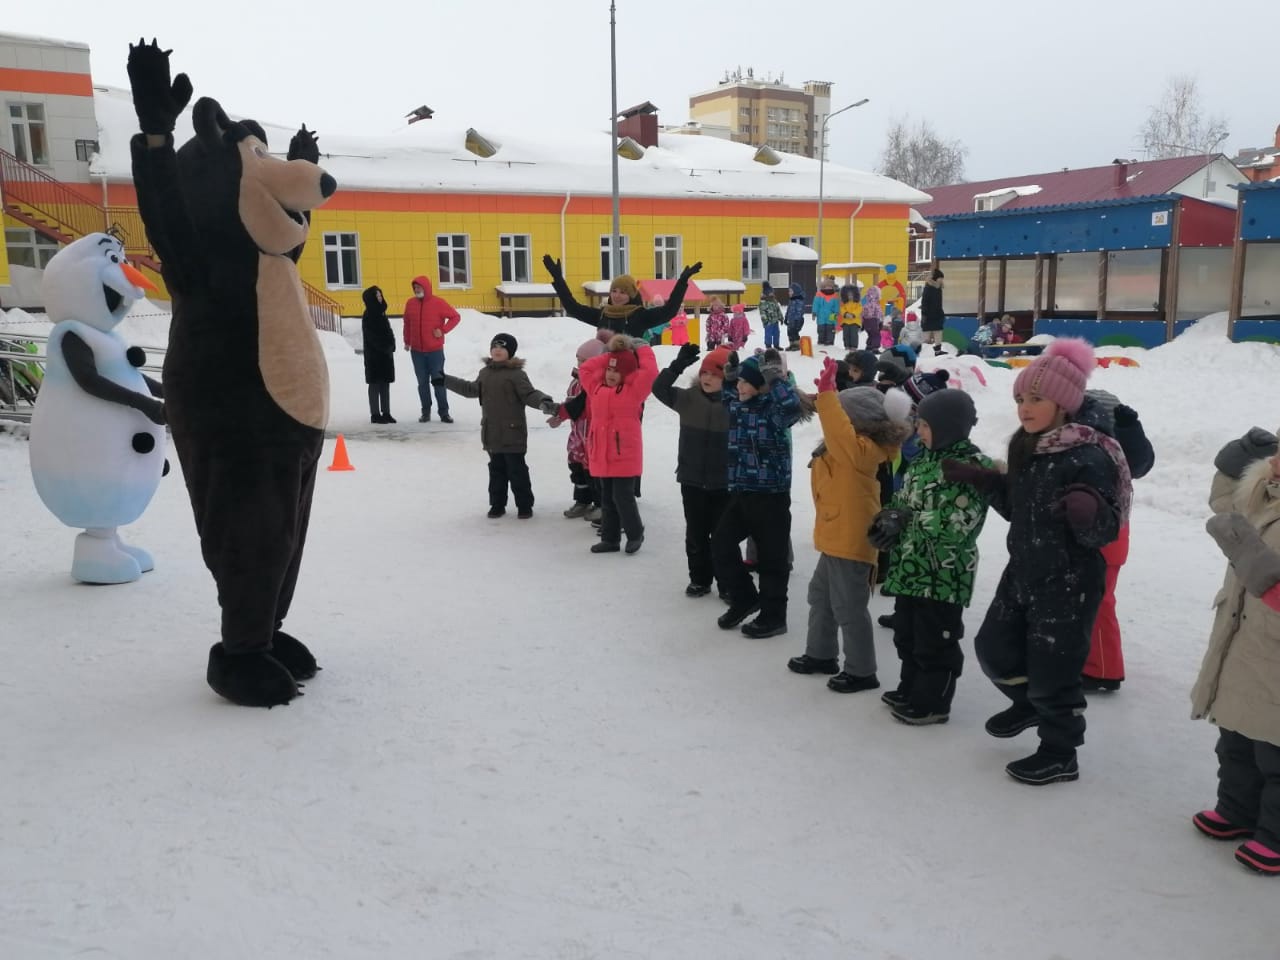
pixel 80 363
pixel 158 102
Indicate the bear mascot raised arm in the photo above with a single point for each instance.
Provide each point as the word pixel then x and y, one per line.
pixel 245 383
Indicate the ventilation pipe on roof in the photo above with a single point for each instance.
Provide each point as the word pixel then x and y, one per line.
pixel 479 145
pixel 629 149
pixel 1121 173
pixel 767 155
pixel 857 210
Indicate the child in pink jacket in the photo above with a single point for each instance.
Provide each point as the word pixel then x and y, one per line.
pixel 717 325
pixel 739 328
pixel 615 386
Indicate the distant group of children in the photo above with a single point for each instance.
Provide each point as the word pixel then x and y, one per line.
pixel 1065 489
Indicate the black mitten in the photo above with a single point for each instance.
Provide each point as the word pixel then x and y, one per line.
pixel 887 527
pixel 689 271
pixel 686 358
pixel 156 100
pixel 553 267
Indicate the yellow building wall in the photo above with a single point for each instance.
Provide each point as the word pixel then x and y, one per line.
pixel 397 245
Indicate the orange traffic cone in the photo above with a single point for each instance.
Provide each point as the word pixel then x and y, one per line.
pixel 340 461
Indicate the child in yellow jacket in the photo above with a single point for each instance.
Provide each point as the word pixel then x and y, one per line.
pixel 861 429
pixel 850 316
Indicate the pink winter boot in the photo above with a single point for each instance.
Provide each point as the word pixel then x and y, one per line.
pixel 1259 858
pixel 1213 824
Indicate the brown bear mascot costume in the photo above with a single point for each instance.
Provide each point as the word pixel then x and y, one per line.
pixel 245 380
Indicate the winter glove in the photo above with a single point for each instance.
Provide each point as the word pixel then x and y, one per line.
pixel 732 367
pixel 826 381
pixel 686 358
pixel 1125 416
pixel 1257 444
pixel 983 479
pixel 1256 564
pixel 887 527
pixel 437 381
pixel 772 372
pixel 553 267
pixel 1078 507
pixel 689 271
pixel 548 407
pixel 156 101
pixel 304 146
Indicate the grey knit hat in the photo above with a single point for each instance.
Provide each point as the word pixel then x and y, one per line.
pixel 950 415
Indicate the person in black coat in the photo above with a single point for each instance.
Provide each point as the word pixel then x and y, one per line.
pixel 379 355
pixel 932 317
pixel 1066 495
pixel 624 313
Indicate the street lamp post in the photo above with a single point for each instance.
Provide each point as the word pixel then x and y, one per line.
pixel 615 241
pixel 822 163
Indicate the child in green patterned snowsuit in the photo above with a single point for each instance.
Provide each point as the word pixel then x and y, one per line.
pixel 933 526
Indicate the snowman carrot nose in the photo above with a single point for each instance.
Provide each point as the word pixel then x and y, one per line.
pixel 136 277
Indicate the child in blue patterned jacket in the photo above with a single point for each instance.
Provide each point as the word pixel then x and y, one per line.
pixel 763 406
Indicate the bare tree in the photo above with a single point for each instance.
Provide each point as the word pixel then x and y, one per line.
pixel 919 157
pixel 1177 126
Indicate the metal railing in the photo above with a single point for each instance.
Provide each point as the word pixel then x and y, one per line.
pixel 20 384
pixel 67 211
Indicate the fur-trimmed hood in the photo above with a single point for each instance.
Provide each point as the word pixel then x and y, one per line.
pixel 511 363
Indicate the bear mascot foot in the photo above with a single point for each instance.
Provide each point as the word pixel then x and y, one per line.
pixel 99 559
pixel 250 679
pixel 293 655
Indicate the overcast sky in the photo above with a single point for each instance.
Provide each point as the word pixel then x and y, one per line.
pixel 1026 87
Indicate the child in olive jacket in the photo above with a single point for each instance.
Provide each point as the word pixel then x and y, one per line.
pixel 504 390
pixel 932 526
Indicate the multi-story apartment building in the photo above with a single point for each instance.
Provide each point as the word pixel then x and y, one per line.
pixel 765 111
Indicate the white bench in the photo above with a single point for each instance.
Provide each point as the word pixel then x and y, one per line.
pixel 508 293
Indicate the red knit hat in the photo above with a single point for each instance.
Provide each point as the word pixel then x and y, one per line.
pixel 1059 374
pixel 624 362
pixel 714 361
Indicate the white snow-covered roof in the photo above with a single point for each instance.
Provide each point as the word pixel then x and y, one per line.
pixel 793 251
pixel 43 41
pixel 1027 191
pixel 428 157
pixel 918 219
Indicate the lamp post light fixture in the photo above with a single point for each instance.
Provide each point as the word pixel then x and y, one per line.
pixel 615 241
pixel 822 163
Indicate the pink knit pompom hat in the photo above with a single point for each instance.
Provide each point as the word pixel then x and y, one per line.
pixel 1059 374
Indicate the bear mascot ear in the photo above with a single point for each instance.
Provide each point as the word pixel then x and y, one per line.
pixel 211 123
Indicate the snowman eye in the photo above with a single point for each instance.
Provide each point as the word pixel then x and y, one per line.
pixel 114 258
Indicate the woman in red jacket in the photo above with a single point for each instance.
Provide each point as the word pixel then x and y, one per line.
pixel 615 386
pixel 427 318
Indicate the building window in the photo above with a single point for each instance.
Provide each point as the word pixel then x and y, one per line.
pixel 26 124
pixel 803 241
pixel 342 259
pixel 666 257
pixel 453 255
pixel 85 149
pixel 753 251
pixel 513 249
pixel 29 249
pixel 607 271
pixel 923 250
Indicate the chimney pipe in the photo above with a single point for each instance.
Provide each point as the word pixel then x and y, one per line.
pixel 1122 171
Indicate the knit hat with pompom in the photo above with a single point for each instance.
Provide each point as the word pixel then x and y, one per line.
pixel 1059 374
pixel 591 348
pixel 622 359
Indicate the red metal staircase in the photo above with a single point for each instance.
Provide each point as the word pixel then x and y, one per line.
pixel 63 214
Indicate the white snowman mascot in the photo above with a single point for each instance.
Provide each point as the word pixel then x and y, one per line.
pixel 97 433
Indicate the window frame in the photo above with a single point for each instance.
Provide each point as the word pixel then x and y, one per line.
pixel 922 243
pixel 662 256
pixel 339 248
pixel 25 150
pixel 451 249
pixel 509 250
pixel 758 244
pixel 805 240
pixel 36 242
pixel 606 256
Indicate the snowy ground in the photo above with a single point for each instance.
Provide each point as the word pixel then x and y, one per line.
pixel 519 749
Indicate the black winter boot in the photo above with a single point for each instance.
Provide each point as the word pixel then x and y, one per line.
pixel 736 613
pixel 762 627
pixel 807 664
pixel 1011 722
pixel 919 716
pixel 1045 767
pixel 848 683
pixel 250 679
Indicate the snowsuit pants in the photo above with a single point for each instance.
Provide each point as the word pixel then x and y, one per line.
pixel 702 511
pixel 793 332
pixel 1106 659
pixel 428 368
pixel 926 634
pixel 619 511
pixel 251 516
pixel 839 592
pixel 509 469
pixel 765 517
pixel 849 332
pixel 586 488
pixel 872 327
pixel 772 335
pixel 827 334
pixel 1249 785
pixel 1033 643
